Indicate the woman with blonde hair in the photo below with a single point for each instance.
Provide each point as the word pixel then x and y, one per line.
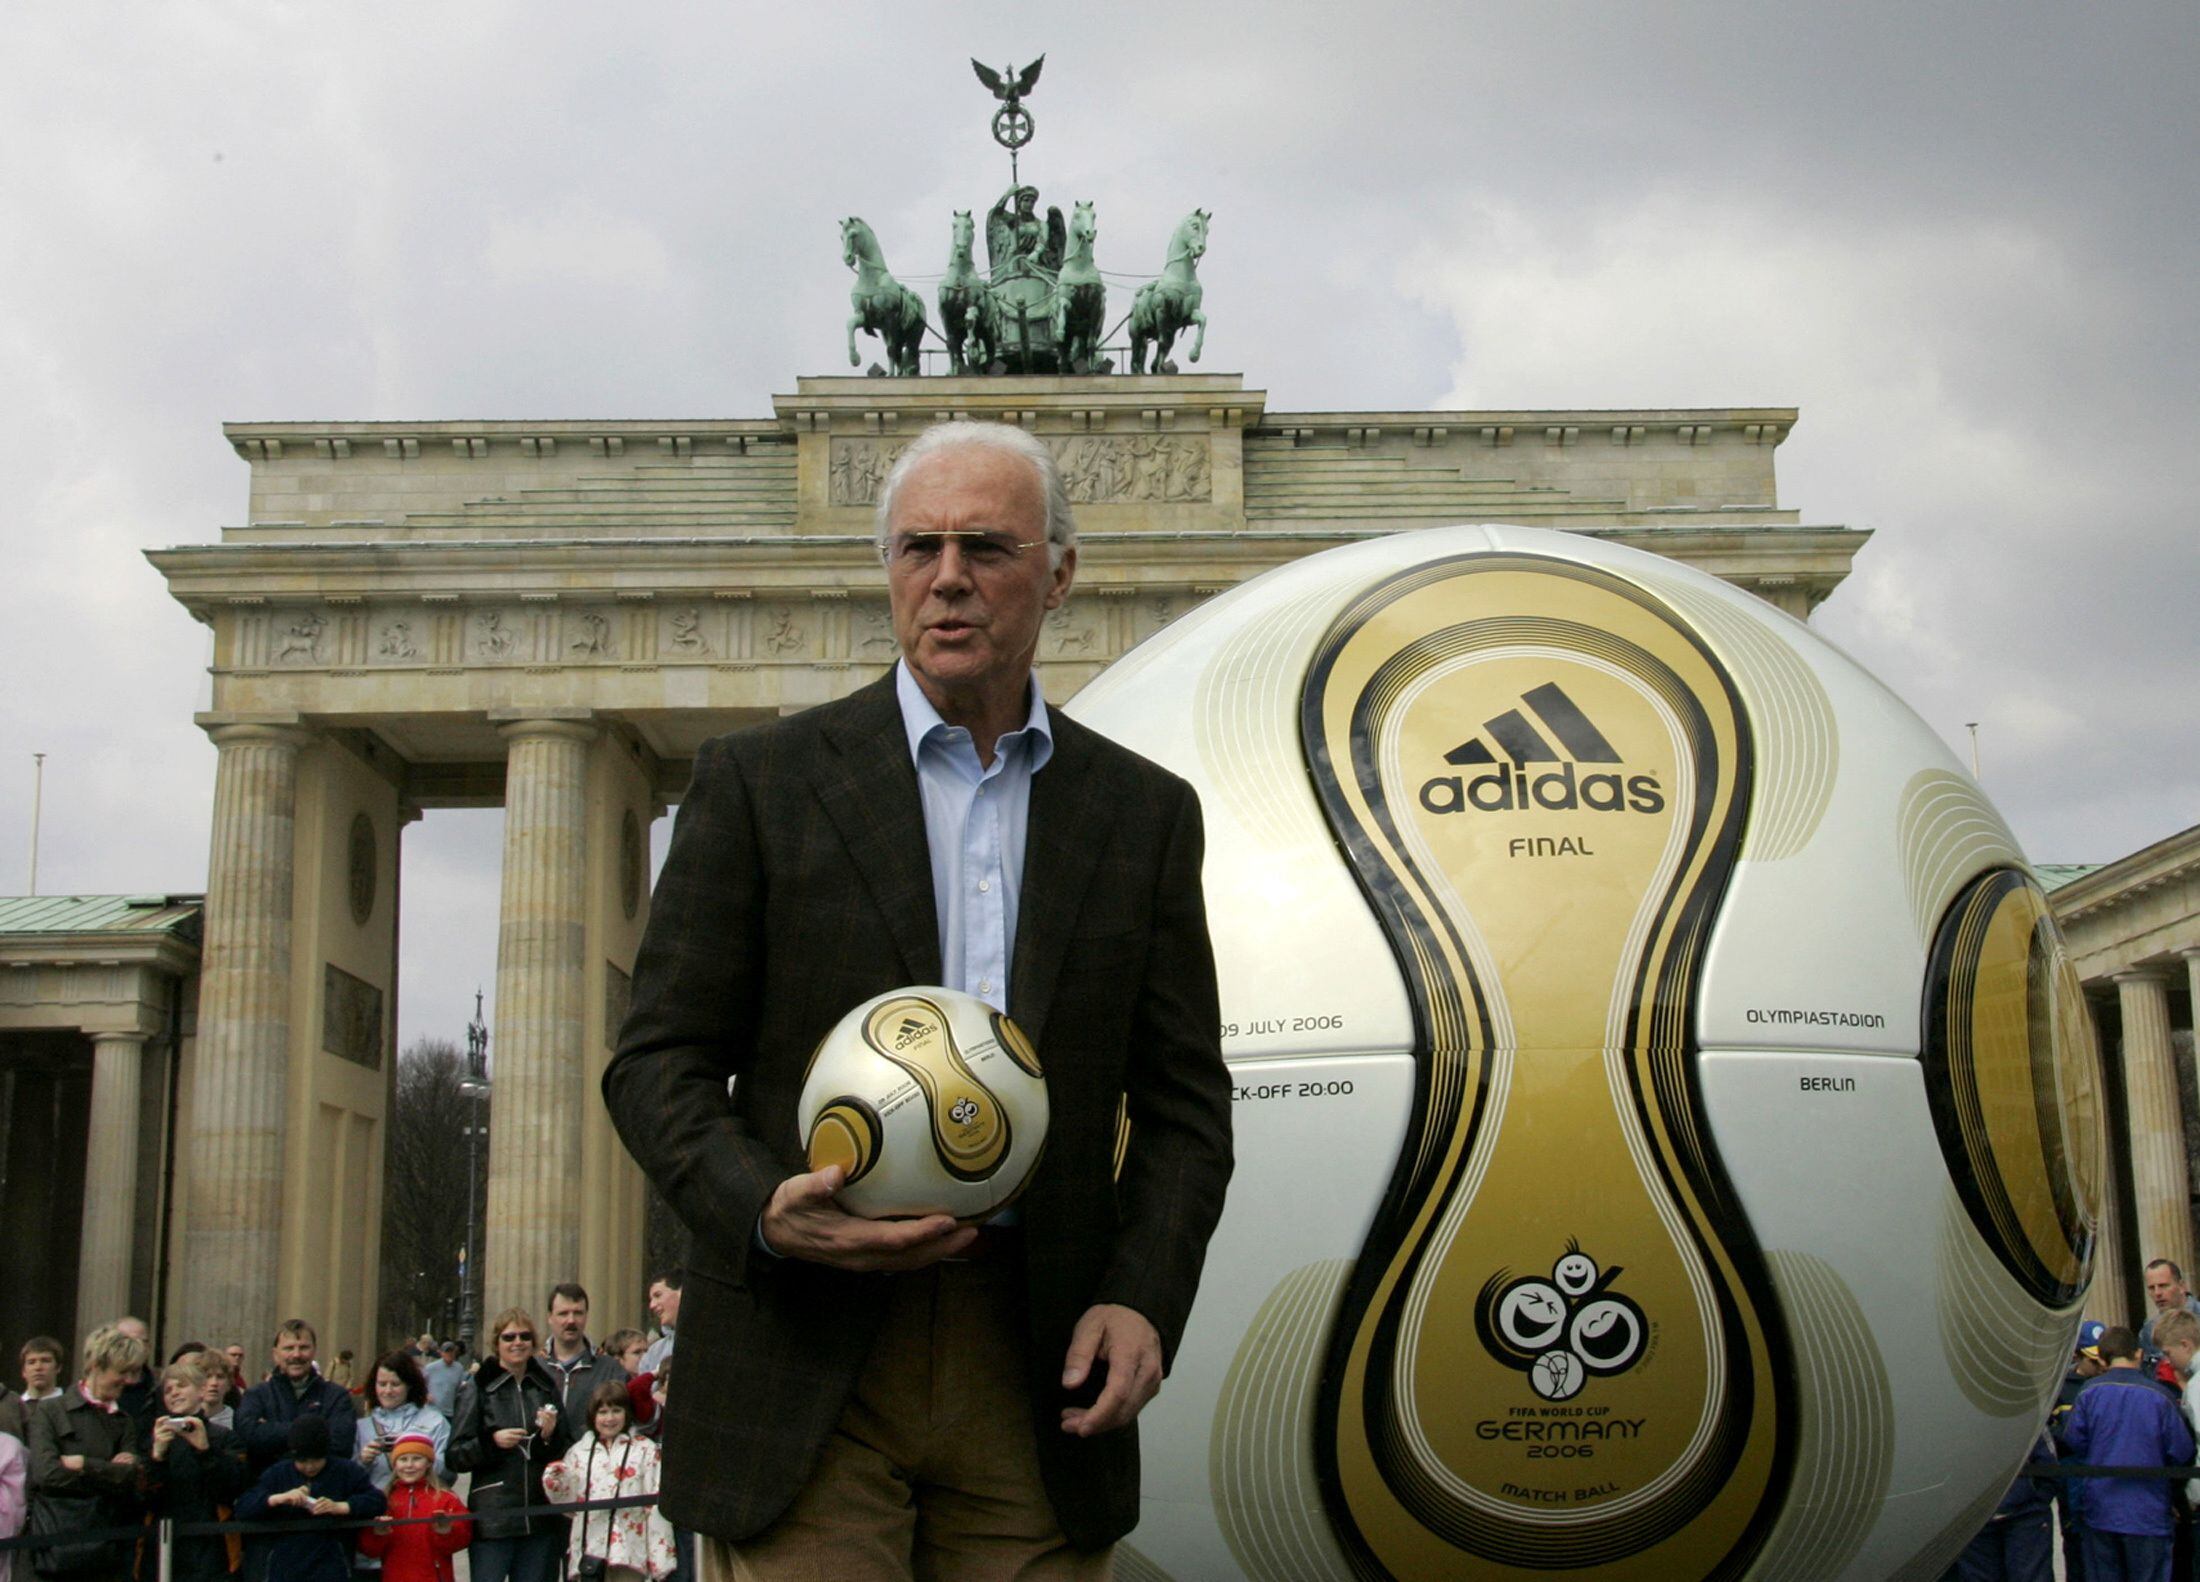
pixel 84 1474
pixel 613 1462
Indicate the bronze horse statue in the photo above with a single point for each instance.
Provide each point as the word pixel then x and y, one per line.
pixel 883 305
pixel 970 320
pixel 1080 298
pixel 1164 307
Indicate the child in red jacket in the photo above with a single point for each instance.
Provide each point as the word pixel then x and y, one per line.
pixel 411 1549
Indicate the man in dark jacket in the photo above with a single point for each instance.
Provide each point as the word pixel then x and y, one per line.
pixel 1062 887
pixel 293 1391
pixel 2125 1419
pixel 309 1483
pixel 573 1358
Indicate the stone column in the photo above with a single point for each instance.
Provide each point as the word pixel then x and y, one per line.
pixel 233 1230
pixel 110 1180
pixel 2159 1181
pixel 538 1066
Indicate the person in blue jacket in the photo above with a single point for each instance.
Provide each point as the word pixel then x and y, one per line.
pixel 306 1485
pixel 2125 1419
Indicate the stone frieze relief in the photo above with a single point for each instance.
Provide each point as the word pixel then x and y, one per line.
pixel 1097 469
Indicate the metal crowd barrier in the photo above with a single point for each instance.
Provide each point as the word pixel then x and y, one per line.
pixel 164 1532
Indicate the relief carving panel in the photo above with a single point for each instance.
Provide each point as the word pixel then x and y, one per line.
pixel 1097 469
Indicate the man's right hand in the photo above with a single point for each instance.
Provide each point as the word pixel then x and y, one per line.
pixel 803 1221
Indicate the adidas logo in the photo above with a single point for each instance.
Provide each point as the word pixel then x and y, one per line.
pixel 909 1031
pixel 1511 783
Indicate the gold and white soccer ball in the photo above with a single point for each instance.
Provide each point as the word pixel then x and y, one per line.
pixel 930 1101
pixel 1669 1136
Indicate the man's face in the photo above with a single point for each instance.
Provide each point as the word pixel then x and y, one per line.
pixel 2088 1367
pixel 235 1354
pixel 136 1330
pixel 2180 1353
pixel 294 1356
pixel 40 1369
pixel 967 616
pixel 2166 1290
pixel 567 1319
pixel 664 1302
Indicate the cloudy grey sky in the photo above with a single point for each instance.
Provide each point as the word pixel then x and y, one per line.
pixel 1962 238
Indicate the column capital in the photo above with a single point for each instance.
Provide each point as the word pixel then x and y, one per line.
pixel 100 1040
pixel 2139 975
pixel 557 724
pixel 255 733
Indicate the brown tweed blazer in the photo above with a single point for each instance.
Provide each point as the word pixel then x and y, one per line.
pixel 799 884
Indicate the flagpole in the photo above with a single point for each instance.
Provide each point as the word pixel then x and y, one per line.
pixel 38 802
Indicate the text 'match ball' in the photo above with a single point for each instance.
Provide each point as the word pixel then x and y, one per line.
pixel 931 1101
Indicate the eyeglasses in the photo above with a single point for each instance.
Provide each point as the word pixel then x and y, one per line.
pixel 511 1335
pixel 980 551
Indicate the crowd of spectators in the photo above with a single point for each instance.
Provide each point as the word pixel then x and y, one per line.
pixel 377 1474
pixel 2127 1403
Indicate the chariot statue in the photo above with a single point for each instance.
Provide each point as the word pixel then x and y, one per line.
pixel 1040 304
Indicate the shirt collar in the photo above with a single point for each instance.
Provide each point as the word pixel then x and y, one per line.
pixel 919 719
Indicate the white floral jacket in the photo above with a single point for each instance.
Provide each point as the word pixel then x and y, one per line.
pixel 636 1536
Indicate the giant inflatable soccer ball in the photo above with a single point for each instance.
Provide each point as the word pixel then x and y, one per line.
pixel 1669 1135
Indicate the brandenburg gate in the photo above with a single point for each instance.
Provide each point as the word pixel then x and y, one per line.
pixel 551 616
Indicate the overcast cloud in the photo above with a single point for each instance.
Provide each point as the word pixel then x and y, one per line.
pixel 1960 237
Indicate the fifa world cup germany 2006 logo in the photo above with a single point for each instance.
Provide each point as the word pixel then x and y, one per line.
pixel 1563 1330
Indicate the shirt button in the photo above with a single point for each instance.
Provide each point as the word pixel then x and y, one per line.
pixel 984 885
pixel 985 986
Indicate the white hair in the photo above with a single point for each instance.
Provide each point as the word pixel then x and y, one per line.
pixel 1005 438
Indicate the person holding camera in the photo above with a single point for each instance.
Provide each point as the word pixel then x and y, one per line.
pixel 508 1432
pixel 613 1462
pixel 397 1392
pixel 189 1468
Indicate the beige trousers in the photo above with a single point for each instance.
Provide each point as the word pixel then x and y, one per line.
pixel 932 1474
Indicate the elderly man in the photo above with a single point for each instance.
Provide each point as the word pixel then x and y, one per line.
pixel 918 1398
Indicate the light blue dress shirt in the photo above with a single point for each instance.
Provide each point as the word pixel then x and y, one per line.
pixel 975 819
